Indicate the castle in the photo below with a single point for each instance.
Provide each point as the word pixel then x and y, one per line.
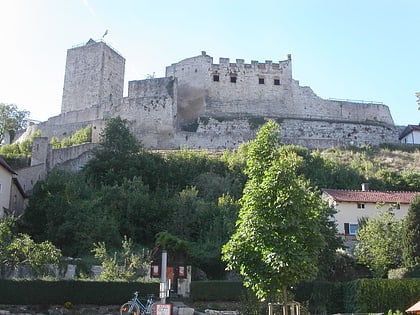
pixel 202 105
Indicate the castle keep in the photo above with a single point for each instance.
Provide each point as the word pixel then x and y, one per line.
pixel 201 104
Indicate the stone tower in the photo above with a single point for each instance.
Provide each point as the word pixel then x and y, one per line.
pixel 94 76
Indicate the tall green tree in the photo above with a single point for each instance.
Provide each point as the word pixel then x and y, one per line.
pixel 279 230
pixel 115 157
pixel 411 235
pixel 379 246
pixel 11 120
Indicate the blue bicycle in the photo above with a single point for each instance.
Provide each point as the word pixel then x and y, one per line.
pixel 136 307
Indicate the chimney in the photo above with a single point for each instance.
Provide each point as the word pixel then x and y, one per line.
pixel 365 186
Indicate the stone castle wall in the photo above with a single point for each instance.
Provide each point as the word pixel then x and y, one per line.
pixel 200 104
pixel 150 107
pixel 221 134
pixel 94 75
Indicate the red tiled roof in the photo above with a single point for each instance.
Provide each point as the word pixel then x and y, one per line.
pixel 371 196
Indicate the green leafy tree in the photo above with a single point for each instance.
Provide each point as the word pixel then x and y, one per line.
pixel 279 231
pixel 11 120
pixel 116 157
pixel 21 249
pixel 411 235
pixel 70 213
pixel 127 264
pixel 379 243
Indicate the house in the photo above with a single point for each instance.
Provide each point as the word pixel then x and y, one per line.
pixel 353 205
pixel 410 135
pixel 12 195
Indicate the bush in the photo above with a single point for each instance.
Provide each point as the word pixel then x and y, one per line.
pixel 31 292
pixel 404 273
pixel 217 290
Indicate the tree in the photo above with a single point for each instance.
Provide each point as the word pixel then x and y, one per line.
pixel 21 249
pixel 11 120
pixel 127 264
pixel 70 213
pixel 278 236
pixel 411 235
pixel 379 246
pixel 116 156
pixel 116 138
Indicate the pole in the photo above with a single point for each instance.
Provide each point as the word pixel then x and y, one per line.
pixel 163 289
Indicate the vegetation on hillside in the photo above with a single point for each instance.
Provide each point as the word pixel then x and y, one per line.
pixel 79 137
pixel 128 192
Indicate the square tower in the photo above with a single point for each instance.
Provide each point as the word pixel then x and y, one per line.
pixel 94 76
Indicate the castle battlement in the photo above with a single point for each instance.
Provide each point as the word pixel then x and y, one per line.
pixel 202 104
pixel 197 105
pixel 255 65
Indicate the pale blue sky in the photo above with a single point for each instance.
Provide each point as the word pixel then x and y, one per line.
pixel 354 49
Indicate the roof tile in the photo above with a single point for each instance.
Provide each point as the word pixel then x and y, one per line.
pixel 371 196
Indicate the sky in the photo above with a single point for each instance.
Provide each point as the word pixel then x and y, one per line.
pixel 355 49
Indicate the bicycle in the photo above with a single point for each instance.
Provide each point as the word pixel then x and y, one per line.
pixel 136 307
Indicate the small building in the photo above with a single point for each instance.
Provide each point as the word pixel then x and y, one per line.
pixel 12 196
pixel 410 135
pixel 353 205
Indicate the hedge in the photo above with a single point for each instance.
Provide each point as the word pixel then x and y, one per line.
pixel 217 290
pixel 382 295
pixel 37 292
pixel 359 296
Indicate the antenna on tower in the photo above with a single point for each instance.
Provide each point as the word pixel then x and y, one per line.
pixel 106 33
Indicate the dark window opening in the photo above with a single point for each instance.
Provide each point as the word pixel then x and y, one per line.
pixel 360 205
pixel 233 79
pixel 276 82
pixel 216 78
pixel 261 80
pixel 350 228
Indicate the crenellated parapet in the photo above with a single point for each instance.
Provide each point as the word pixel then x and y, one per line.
pixel 202 104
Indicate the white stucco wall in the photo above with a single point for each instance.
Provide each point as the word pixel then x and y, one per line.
pixel 5 187
pixel 348 212
pixel 412 138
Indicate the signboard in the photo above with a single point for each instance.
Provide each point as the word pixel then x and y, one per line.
pixel 155 271
pixel 181 271
pixel 163 309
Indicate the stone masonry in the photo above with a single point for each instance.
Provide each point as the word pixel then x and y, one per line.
pixel 202 104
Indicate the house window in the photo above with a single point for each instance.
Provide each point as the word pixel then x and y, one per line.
pixel 396 206
pixel 276 81
pixel 360 206
pixel 233 79
pixel 216 78
pixel 261 81
pixel 350 228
